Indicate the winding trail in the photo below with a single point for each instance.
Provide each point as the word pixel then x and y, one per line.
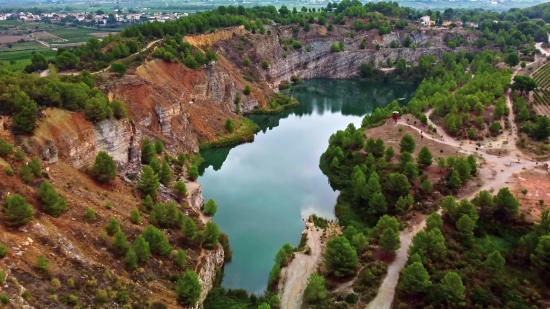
pixel 504 167
pixel 295 276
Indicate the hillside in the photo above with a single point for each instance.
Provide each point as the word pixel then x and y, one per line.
pixel 181 90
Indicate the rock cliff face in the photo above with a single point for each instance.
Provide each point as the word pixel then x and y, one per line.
pixel 68 136
pixel 320 62
pixel 212 260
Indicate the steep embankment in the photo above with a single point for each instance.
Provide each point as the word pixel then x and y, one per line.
pixel 315 60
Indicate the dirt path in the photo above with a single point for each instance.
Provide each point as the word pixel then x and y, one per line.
pixel 295 276
pixel 542 50
pixel 503 167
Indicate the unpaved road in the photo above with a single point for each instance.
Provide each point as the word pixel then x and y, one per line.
pixel 505 167
pixel 295 276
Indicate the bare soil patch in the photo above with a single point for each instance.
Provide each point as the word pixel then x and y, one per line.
pixel 391 136
pixel 537 183
pixel 5 39
pixel 102 34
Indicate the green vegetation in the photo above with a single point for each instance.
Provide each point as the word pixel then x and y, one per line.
pixel 210 208
pixel 104 168
pixel 52 202
pixel 493 249
pixel 3 251
pixel 18 211
pixel 188 288
pixel 277 104
pixel 243 131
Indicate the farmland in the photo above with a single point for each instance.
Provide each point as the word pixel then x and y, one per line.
pixel 542 77
pixel 19 40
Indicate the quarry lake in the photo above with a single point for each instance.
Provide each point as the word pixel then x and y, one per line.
pixel 266 187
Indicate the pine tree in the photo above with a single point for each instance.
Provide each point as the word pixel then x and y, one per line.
pixel 165 173
pixel 495 262
pixel 441 164
pixel 465 228
pixel 410 170
pixel 454 180
pixel 18 211
pixel 404 158
pixel 112 227
pixel 193 173
pixel 104 167
pixel 135 216
pixel 507 205
pixel 25 113
pixel 434 221
pixel 26 173
pixel 148 151
pixel 159 146
pixel 52 203
pixel 147 202
pixel 389 241
pixel 131 259
pixel 425 157
pixel 5 148
pixel 426 186
pixel 90 216
pixel 142 250
pixel 274 301
pixel 415 278
pixel 149 182
pixel 181 259
pixel 188 289
pixel 373 186
pixel 189 229
pixel 120 243
pixel 360 242
pixel 155 165
pixel 377 204
pixel 407 144
pixel 316 291
pixel 211 235
pixel 36 167
pixel 158 242
pixel 389 154
pixel 180 189
pixel 340 257
pixel 210 208
pixel 453 289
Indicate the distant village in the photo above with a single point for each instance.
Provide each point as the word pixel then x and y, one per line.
pixel 92 18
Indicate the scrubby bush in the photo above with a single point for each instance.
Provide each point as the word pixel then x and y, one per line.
pixel 52 202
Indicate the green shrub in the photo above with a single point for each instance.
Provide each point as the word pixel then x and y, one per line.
pixel 5 148
pixel 247 90
pixel 193 173
pixel 112 227
pixel 18 211
pixel 135 216
pixel 2 276
pixel 42 264
pixel 9 171
pixel 229 125
pixel 52 202
pixel 265 65
pixel 3 251
pixel 4 299
pixel 210 208
pixel 89 215
pixel 19 155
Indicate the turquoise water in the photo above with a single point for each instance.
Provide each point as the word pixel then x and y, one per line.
pixel 266 187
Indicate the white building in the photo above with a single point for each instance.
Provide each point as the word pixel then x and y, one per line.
pixel 425 20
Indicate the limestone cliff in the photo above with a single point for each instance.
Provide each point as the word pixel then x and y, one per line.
pixel 320 62
pixel 68 136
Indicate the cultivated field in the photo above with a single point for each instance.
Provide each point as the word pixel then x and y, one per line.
pixel 542 94
pixel 46 37
pixel 5 39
